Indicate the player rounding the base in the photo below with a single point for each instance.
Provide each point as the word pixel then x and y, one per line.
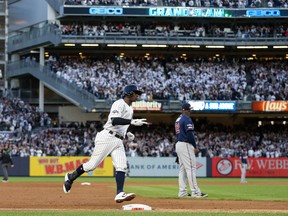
pixel 109 141
pixel 186 148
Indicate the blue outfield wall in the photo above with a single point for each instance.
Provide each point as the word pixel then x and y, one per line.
pixel 21 167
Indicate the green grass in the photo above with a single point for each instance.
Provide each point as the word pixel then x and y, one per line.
pixel 225 192
pixel 269 189
pixel 217 188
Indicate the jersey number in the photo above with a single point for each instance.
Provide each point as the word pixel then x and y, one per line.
pixel 177 128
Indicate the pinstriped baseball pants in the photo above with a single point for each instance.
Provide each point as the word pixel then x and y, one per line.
pixel 107 144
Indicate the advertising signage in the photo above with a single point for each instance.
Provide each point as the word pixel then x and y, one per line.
pixel 58 166
pixel 173 12
pixel 270 106
pixel 213 105
pixel 257 167
pixel 161 167
pixel 186 12
pixel 147 105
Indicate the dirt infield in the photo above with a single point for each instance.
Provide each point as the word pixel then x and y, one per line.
pixel 100 196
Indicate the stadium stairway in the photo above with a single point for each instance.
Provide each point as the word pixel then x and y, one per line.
pixel 81 98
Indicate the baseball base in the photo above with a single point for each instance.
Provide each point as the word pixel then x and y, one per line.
pixel 136 207
pixel 85 183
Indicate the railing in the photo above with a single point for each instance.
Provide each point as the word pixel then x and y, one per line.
pixel 2 7
pixel 34 36
pixel 178 40
pixel 50 33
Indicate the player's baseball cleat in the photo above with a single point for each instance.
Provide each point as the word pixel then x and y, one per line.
pixel 184 195
pixel 199 195
pixel 67 184
pixel 122 196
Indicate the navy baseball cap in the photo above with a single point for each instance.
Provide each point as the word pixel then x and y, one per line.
pixel 129 89
pixel 186 106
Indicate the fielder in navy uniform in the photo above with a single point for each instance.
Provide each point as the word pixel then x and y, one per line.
pixel 109 141
pixel 186 148
pixel 243 166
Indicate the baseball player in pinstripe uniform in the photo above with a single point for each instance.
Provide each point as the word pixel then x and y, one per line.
pixel 186 148
pixel 110 142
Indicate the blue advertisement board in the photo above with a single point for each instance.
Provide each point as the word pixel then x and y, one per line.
pixel 213 105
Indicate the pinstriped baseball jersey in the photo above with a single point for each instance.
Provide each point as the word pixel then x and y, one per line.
pixel 119 109
pixel 106 143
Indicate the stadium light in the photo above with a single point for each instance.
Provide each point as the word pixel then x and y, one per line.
pixel 217 47
pixel 154 45
pixel 69 44
pixel 122 45
pixel 280 47
pixel 188 46
pixel 252 47
pixel 90 45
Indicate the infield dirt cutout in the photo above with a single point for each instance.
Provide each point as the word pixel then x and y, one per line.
pixel 100 196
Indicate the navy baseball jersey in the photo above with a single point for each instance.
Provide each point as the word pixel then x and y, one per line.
pixel 184 129
pixel 243 158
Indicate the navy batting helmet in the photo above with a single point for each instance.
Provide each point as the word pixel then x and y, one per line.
pixel 129 89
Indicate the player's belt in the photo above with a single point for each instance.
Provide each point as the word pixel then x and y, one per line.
pixel 116 135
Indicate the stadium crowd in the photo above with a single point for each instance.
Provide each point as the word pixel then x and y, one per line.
pixel 177 79
pixel 21 118
pixel 77 139
pixel 180 30
pixel 183 3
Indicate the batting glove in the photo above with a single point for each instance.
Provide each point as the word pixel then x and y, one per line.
pixel 130 136
pixel 138 122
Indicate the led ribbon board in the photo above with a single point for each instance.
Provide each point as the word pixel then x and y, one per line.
pixel 173 12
